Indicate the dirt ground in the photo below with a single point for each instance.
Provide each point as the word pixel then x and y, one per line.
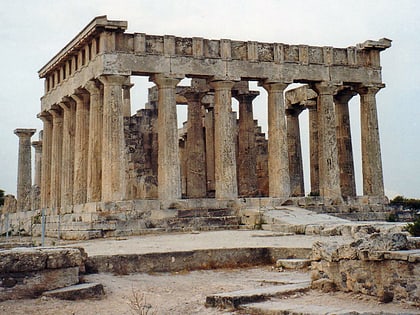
pixel 185 293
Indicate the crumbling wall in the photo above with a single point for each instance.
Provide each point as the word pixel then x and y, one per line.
pixel 384 266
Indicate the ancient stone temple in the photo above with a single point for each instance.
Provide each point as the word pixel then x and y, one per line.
pixel 94 151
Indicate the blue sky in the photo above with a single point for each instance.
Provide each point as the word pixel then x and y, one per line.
pixel 31 32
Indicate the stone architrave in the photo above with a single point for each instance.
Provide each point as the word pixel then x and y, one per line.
pixel 247 151
pixel 46 159
pixel 169 172
pixel 81 147
pixel 113 143
pixel 56 156
pixel 94 171
pixel 24 179
pixel 329 172
pixel 195 148
pixel 297 188
pixel 224 141
pixel 314 150
pixel 67 173
pixel 344 145
pixel 278 158
pixel 373 183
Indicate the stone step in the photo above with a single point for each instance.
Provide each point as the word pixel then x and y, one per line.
pixel 296 307
pixel 293 263
pixel 77 292
pixel 234 299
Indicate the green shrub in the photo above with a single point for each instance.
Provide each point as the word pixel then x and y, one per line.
pixel 414 228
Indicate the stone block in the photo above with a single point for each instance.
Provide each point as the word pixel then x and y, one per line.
pixel 77 292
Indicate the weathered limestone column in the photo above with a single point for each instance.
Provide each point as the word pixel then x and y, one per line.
pixel 329 171
pixel 209 126
pixel 56 156
pixel 195 149
pixel 67 172
pixel 224 141
pixel 247 151
pixel 278 159
pixel 24 179
pixel 169 176
pixel 37 145
pixel 113 143
pixel 127 98
pixel 295 152
pixel 46 159
pixel 81 147
pixel 373 183
pixel 344 145
pixel 313 150
pixel 94 171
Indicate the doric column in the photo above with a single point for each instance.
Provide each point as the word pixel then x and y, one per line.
pixel 278 159
pixel 209 126
pixel 295 152
pixel 329 172
pixel 127 98
pixel 195 149
pixel 313 150
pixel 94 171
pixel 344 145
pixel 247 153
pixel 81 147
pixel 373 184
pixel 37 145
pixel 67 171
pixel 169 176
pixel 56 156
pixel 46 159
pixel 24 181
pixel 224 141
pixel 113 143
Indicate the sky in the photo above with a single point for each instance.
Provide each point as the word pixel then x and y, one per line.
pixel 32 32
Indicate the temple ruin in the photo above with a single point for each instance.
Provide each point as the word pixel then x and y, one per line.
pixel 95 156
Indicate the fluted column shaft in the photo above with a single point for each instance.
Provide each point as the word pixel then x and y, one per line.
pixel 278 159
pixel 94 171
pixel 373 183
pixel 46 160
pixel 344 145
pixel 127 99
pixel 295 153
pixel 113 142
pixel 195 149
pixel 24 181
pixel 56 157
pixel 209 125
pixel 81 148
pixel 224 141
pixel 329 171
pixel 247 154
pixel 169 172
pixel 67 171
pixel 314 150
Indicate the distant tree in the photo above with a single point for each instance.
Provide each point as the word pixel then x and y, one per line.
pixel 1 197
pixel 406 203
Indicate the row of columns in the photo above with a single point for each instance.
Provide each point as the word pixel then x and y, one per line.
pixel 331 154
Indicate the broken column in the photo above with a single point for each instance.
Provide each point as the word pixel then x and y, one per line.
pixel 24 178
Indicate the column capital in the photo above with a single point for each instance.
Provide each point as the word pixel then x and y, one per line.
pixel 326 87
pixel 45 116
pixel 165 81
pixel 21 132
pixel 192 95
pixel 273 86
pixel 222 85
pixel 56 112
pixel 369 89
pixel 113 79
pixel 344 94
pixel 294 110
pixel 93 87
pixel 246 97
pixel 37 145
pixel 80 96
